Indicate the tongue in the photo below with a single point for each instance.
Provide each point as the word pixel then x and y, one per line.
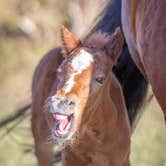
pixel 64 123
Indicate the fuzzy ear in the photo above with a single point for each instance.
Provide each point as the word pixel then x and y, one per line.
pixel 69 40
pixel 115 44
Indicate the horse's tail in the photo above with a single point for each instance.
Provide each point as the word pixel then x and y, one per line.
pixel 133 83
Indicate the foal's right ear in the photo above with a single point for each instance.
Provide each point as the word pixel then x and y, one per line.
pixel 115 44
pixel 69 41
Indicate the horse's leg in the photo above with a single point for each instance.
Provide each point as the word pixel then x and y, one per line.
pixel 158 83
pixel 155 67
pixel 149 43
pixel 152 49
pixel 43 149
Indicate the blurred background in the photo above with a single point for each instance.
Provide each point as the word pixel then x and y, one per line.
pixel 28 29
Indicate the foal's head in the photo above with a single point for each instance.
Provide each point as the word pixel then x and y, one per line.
pixel 80 78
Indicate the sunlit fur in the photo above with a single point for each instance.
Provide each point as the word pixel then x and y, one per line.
pixel 101 132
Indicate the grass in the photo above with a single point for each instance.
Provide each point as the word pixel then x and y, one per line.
pixel 149 139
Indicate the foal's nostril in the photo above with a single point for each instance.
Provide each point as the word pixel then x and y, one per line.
pixel 71 103
pixel 59 105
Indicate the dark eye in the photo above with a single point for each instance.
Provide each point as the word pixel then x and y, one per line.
pixel 99 80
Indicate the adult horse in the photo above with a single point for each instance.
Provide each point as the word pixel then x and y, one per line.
pixel 144 27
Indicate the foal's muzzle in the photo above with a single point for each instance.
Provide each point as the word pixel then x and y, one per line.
pixel 60 105
pixel 62 110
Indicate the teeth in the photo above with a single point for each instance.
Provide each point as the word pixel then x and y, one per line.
pixel 59 117
pixel 62 123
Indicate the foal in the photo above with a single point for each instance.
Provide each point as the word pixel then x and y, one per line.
pixel 84 103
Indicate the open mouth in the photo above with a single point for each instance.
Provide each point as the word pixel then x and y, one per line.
pixel 63 125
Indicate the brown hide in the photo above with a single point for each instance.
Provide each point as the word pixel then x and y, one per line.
pixel 102 130
pixel 144 27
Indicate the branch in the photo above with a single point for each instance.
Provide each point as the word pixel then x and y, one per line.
pixel 8 130
pixel 57 157
pixel 17 114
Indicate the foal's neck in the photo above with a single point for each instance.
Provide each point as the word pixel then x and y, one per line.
pixel 105 135
pixel 100 120
pixel 104 115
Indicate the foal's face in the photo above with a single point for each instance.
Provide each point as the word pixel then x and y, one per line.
pixel 80 78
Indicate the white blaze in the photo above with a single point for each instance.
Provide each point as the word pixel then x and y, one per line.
pixel 70 83
pixel 79 63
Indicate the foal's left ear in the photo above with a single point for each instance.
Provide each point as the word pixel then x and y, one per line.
pixel 115 44
pixel 69 41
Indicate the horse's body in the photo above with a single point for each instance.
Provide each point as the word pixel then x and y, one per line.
pixel 144 27
pixel 101 129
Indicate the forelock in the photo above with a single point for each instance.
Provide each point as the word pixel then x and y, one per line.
pixel 97 39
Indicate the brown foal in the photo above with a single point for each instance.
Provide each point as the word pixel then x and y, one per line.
pixel 84 104
pixel 144 27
